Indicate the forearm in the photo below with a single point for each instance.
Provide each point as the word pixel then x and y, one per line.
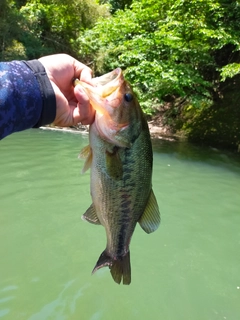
pixel 27 98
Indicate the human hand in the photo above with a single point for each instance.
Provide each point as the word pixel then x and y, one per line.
pixel 72 103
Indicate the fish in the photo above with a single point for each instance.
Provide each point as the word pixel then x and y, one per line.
pixel 120 158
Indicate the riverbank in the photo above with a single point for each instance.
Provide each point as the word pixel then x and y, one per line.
pixel 156 127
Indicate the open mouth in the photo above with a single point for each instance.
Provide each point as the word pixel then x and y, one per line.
pixel 108 82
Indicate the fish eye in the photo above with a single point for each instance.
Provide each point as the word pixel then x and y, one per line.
pixel 128 97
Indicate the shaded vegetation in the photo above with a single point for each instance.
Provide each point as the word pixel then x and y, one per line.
pixel 182 57
pixel 29 29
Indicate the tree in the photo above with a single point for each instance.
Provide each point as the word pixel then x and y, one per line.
pixel 10 46
pixel 44 27
pixel 181 56
pixel 167 48
pixel 117 5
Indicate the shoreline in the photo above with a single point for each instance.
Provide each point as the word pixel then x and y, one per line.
pixel 156 132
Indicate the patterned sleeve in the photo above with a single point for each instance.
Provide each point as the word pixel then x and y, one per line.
pixel 27 98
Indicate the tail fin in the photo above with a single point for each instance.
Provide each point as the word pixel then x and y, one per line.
pixel 120 268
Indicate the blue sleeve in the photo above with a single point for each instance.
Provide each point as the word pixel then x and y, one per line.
pixel 27 98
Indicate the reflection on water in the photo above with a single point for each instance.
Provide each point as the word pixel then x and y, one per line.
pixel 188 269
pixel 63 306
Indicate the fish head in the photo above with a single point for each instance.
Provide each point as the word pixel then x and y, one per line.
pixel 118 114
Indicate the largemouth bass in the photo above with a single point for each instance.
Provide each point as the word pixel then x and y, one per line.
pixel 120 158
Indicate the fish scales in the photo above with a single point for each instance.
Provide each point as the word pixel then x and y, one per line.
pixel 133 188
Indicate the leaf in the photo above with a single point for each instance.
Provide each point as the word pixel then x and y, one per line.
pixel 230 71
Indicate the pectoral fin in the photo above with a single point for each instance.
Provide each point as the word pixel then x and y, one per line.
pixel 150 219
pixel 86 153
pixel 114 164
pixel 91 216
pixel 122 141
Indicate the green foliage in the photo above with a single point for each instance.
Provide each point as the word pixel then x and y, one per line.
pixel 42 27
pixel 230 71
pixel 166 47
pixel 10 46
pixel 216 125
pixel 58 23
pixel 117 5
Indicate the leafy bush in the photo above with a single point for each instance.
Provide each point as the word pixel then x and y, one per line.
pixel 44 27
pixel 166 47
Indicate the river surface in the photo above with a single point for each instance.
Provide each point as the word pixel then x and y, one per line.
pixel 189 269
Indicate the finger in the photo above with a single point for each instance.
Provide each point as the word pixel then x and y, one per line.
pixel 84 118
pixel 82 72
pixel 86 75
pixel 84 112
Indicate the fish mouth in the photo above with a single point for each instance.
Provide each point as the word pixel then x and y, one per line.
pixel 109 82
pixel 105 94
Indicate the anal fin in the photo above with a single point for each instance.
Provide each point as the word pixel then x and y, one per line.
pixel 150 219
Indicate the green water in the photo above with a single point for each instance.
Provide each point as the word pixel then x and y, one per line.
pixel 188 270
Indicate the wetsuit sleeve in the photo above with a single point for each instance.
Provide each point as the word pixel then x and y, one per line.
pixel 27 99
